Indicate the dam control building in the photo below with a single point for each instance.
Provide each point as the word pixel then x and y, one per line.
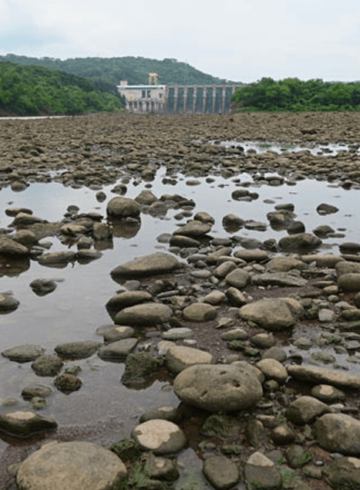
pixel 182 99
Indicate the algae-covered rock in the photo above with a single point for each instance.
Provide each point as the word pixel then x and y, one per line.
pixel 224 427
pixel 138 367
pixel 128 450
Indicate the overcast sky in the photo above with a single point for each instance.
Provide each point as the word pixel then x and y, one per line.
pixel 241 40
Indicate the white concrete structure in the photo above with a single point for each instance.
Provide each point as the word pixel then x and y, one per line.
pixel 143 98
pixel 184 99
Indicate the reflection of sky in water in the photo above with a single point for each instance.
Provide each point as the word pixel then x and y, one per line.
pixel 263 147
pixel 76 308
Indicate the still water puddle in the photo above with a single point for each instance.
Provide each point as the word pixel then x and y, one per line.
pixel 260 147
pixel 77 307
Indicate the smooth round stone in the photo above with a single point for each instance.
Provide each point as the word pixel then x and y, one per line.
pixel 339 433
pixel 126 299
pixel 121 332
pixel 47 365
pixel 214 298
pixel 193 229
pixel 148 265
pixel 119 349
pixel 123 207
pixel 8 303
pixel 178 358
pixel 71 465
pixel 199 312
pixel 24 423
pixel 325 315
pixel 33 390
pixel 23 353
pixel 273 369
pixel 221 472
pixel 218 388
pixel 327 393
pixel 144 315
pixel 177 333
pixel 42 287
pixel 200 274
pixel 79 350
pixel 159 436
pixel 235 334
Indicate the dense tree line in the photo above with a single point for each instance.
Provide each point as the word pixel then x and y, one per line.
pixel 293 94
pixel 34 90
pixel 133 69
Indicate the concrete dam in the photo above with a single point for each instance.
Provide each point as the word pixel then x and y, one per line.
pixel 180 99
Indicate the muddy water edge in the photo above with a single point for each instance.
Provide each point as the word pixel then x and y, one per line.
pixel 67 170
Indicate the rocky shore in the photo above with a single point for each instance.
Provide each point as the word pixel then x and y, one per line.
pixel 259 339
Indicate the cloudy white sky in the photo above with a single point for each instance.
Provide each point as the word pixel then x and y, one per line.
pixel 241 40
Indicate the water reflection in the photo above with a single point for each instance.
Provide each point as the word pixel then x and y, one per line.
pixel 13 267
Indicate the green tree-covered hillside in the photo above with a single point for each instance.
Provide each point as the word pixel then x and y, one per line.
pixel 293 94
pixel 34 90
pixel 133 69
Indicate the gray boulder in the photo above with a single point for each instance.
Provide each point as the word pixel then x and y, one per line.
pixel 281 279
pixel 273 314
pixel 285 264
pixel 338 433
pixel 23 353
pixel 11 248
pixel 57 259
pixel 346 267
pixel 305 410
pixel 300 241
pixel 143 315
pixel 29 391
pixel 127 298
pixel 178 358
pixel 343 473
pixel 24 423
pixel 194 229
pixel 221 472
pixel 262 473
pixel 72 465
pixel 78 350
pixel 324 208
pixel 42 287
pixel 349 282
pixel 123 207
pixel 118 350
pixel 47 365
pixel 238 278
pixel 218 388
pixel 8 302
pixel 158 263
pixel 199 312
pixel 317 375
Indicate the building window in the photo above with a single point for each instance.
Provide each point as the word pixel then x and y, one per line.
pixel 143 94
pixel 149 94
pixel 160 96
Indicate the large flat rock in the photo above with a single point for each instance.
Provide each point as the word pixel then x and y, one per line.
pixel 157 263
pixel 318 375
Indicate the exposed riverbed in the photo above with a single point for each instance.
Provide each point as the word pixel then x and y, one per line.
pixel 49 165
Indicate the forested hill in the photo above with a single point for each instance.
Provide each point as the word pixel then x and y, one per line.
pixel 295 95
pixel 35 90
pixel 133 69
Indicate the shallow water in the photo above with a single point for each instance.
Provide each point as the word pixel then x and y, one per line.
pixel 77 307
pixel 260 147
